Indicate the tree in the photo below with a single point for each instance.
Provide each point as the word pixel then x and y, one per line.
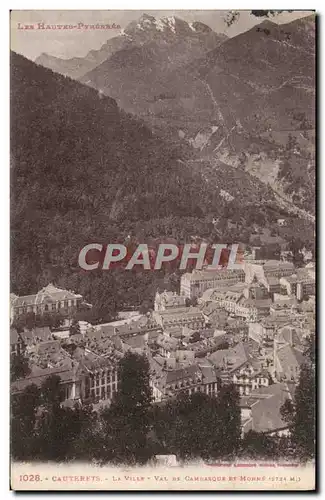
pixel 191 302
pixel 310 350
pixel 74 328
pixel 258 445
pixel 129 420
pixel 230 416
pixel 51 391
pixel 195 337
pixel 19 367
pixel 267 13
pixel 295 246
pixel 27 320
pixel 301 414
pixel 188 426
pixel 23 418
pixel 199 425
pixel 303 432
pixel 59 428
pixel 90 442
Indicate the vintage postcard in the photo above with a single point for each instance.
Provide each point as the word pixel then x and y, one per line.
pixel 163 269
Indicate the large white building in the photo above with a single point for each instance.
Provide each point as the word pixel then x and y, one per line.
pixel 48 300
pixel 195 283
pixel 263 270
pixel 191 317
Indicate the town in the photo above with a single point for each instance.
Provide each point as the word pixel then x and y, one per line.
pixel 247 327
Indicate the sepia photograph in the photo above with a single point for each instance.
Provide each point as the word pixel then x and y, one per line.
pixel 163 250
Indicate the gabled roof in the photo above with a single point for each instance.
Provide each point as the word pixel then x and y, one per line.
pixel 182 374
pixel 39 375
pixel 137 341
pixel 265 404
pixel 230 359
pixel 47 294
pixel 289 356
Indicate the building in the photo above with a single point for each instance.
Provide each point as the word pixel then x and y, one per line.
pixel 262 270
pixel 272 285
pixel 252 310
pixel 168 382
pixel 287 362
pixel 266 329
pixel 261 410
pixel 239 366
pixel 84 375
pixel 302 284
pixel 99 378
pixel 32 337
pixel 168 300
pixel 69 375
pixel 194 284
pixel 144 325
pixel 256 291
pixel 236 304
pixel 191 317
pixel 48 300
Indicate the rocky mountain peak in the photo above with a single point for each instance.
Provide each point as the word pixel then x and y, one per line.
pixel 168 25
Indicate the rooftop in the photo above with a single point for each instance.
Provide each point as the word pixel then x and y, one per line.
pixel 201 275
pixel 48 293
pixel 279 264
pixel 265 404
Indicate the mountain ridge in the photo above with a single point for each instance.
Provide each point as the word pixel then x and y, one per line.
pixel 165 29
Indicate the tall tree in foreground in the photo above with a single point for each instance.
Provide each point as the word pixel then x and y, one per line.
pixel 303 431
pixel 301 415
pixel 230 417
pixel 258 445
pixel 23 418
pixel 19 367
pixel 200 426
pixel 129 420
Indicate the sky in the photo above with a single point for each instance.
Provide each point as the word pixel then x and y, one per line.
pixel 77 43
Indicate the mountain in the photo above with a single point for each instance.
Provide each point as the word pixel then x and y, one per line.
pixel 259 79
pixel 78 66
pixel 83 170
pixel 262 86
pixel 250 102
pixel 263 76
pixel 167 31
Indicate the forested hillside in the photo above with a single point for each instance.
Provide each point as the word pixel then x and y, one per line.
pixel 83 171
